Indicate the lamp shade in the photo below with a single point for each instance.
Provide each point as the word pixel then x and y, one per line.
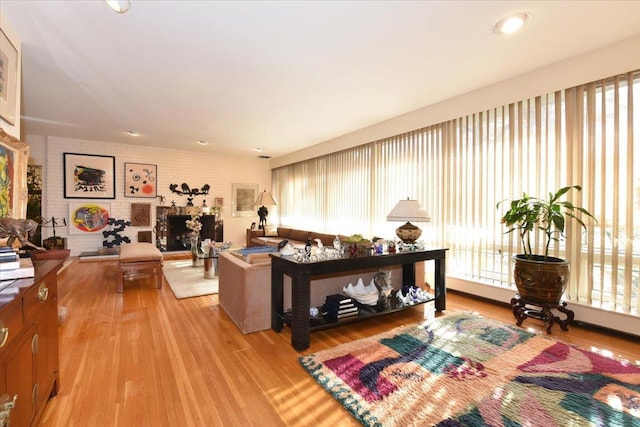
pixel 408 210
pixel 265 199
pixel 119 6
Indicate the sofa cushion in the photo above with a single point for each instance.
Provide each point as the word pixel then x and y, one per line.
pixel 271 232
pixel 284 232
pixel 256 250
pixel 299 235
pixel 258 258
pixel 273 242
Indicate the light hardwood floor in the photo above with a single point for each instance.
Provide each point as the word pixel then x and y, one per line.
pixel 144 358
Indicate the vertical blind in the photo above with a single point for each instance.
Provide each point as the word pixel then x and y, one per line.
pixel 459 170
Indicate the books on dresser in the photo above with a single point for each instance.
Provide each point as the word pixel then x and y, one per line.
pixel 9 259
pixel 25 269
pixel 339 307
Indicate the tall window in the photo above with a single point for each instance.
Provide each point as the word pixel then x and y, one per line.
pixel 459 170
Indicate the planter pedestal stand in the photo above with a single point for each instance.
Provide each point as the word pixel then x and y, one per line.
pixel 542 312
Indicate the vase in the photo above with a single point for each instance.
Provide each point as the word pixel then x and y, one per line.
pixel 195 244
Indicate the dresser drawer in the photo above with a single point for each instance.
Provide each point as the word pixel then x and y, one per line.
pixel 40 295
pixel 11 323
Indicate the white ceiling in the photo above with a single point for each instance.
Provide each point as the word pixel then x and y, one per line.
pixel 281 75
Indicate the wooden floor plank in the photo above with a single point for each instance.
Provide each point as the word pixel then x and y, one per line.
pixel 144 358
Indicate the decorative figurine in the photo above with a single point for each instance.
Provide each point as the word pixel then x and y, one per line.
pixel 262 213
pixel 382 280
pixel 18 229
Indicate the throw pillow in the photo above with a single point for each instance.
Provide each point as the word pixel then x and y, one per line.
pixel 271 231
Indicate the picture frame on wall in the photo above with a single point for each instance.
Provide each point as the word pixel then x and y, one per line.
pixel 88 217
pixel 14 156
pixel 89 176
pixel 8 79
pixel 140 180
pixel 140 214
pixel 243 198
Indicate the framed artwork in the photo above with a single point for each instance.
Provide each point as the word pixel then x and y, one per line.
pixel 88 217
pixel 141 214
pixel 8 78
pixel 14 156
pixel 218 202
pixel 89 176
pixel 140 180
pixel 243 198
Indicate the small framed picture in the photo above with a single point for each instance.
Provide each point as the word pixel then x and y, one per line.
pixel 243 199
pixel 140 214
pixel 8 79
pixel 218 202
pixel 140 180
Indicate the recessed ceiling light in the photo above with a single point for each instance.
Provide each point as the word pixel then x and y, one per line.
pixel 512 23
pixel 133 133
pixel 203 142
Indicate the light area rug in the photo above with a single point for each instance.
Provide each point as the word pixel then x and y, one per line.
pixel 464 370
pixel 187 281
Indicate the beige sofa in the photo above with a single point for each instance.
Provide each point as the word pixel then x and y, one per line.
pixel 271 236
pixel 245 288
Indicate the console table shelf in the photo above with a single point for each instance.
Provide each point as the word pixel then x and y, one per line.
pixel 318 324
pixel 301 273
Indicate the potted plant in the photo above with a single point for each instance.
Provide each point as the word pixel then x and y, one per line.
pixel 540 278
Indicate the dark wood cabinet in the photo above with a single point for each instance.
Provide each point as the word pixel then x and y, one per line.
pixel 29 356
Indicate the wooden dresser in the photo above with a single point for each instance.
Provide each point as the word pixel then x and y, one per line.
pixel 29 343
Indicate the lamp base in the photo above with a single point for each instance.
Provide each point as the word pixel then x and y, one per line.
pixel 408 233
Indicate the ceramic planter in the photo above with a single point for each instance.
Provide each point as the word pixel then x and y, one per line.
pixel 540 281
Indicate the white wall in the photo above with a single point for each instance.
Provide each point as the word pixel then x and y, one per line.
pixel 608 61
pixel 13 130
pixel 174 166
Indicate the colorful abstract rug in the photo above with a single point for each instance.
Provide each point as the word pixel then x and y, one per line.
pixel 464 370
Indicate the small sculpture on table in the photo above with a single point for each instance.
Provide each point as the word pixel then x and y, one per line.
pixel 262 213
pixel 20 230
pixel 385 290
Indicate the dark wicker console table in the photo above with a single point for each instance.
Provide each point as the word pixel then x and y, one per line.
pixel 301 274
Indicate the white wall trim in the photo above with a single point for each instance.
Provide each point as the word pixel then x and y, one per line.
pixel 583 313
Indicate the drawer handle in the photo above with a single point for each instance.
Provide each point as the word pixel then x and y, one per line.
pixel 34 395
pixel 35 341
pixel 43 293
pixel 4 335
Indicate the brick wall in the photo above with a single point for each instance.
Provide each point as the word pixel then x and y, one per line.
pixel 174 166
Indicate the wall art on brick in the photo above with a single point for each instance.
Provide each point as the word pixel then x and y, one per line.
pixel 140 214
pixel 89 176
pixel 140 180
pixel 88 217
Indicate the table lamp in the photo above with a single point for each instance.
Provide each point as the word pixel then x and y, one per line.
pixel 264 199
pixel 408 210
